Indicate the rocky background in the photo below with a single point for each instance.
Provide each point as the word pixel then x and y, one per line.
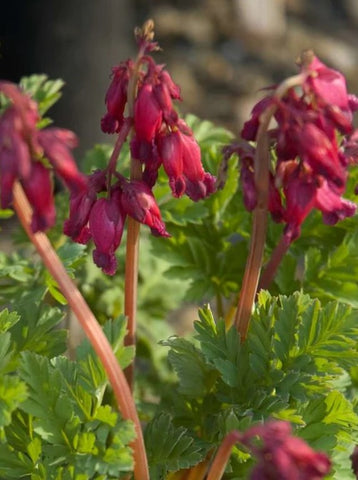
pixel 221 52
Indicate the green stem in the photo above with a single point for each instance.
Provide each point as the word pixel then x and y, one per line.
pixel 90 326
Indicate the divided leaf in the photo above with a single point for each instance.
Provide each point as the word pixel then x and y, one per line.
pixel 170 448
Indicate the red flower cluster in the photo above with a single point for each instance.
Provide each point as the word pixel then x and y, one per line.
pixel 160 136
pixel 140 96
pixel 282 456
pixel 23 149
pixel 102 219
pixel 354 460
pixel 311 166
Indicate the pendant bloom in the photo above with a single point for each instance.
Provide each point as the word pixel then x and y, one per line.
pixel 24 150
pixel 281 455
pixel 311 145
pixel 160 137
pixel 139 106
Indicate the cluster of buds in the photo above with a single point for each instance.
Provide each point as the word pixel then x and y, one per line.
pixel 25 152
pixel 160 136
pixel 102 218
pixel 139 102
pixel 313 143
pixel 281 455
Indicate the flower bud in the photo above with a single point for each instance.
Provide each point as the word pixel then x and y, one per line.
pixel 317 151
pixel 333 207
pixel 15 157
pixel 147 114
pixel 170 149
pixel 106 222
pixel 75 226
pixel 198 183
pixel 38 189
pixel 57 143
pixel 138 202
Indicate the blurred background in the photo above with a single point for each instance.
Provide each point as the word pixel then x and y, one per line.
pixel 221 52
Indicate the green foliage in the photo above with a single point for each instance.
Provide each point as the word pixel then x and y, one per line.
pixel 45 93
pixel 170 448
pixel 5 213
pixel 21 273
pixel 289 368
pixel 208 244
pixel 12 389
pixel 55 422
pixel 97 158
pixel 299 363
pixel 334 275
pixel 323 261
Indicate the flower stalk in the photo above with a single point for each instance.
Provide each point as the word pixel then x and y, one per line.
pixel 222 456
pixel 90 326
pixel 260 214
pixel 131 276
pixel 258 238
pixel 133 235
pixel 272 265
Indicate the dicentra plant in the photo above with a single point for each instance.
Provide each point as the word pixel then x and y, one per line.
pixel 266 385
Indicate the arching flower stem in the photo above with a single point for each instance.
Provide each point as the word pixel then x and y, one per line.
pixel 260 214
pixel 90 326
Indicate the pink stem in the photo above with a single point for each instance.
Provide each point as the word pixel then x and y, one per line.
pixel 222 456
pixel 260 214
pixel 271 268
pixel 90 326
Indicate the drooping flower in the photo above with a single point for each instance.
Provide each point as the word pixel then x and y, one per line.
pixel 38 188
pixel 138 201
pixel 116 98
pixel 23 147
pixel 181 158
pixel 158 129
pixel 310 167
pixel 354 460
pixel 283 456
pixel 15 159
pixel 81 203
pixel 140 99
pixel 57 144
pixel 147 114
pixel 170 149
pixel 199 184
pixel 326 84
pixel 106 223
pixel 246 153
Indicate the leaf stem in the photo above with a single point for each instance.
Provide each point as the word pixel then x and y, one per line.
pixel 90 326
pixel 222 456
